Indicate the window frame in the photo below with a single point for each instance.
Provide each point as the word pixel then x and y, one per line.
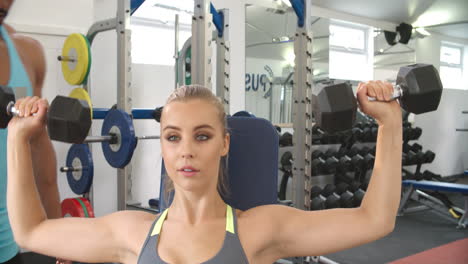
pixel 342 24
pixel 445 64
pixel 364 52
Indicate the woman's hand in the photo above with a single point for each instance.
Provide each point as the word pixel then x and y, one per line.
pixel 30 123
pixel 384 110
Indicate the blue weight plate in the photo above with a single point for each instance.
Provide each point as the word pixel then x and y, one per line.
pixel 80 181
pixel 120 123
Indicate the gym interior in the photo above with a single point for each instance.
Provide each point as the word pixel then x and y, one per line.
pixel 279 61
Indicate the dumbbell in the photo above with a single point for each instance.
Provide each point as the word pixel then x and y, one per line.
pixel 357 134
pixel 286 139
pixel 429 156
pixel 418 89
pixel 68 119
pixel 358 194
pixel 430 176
pixel 415 147
pixel 286 161
pixel 317 154
pixel 415 133
pixel 320 166
pixel 324 137
pixel 332 194
pixel 317 201
pixel 415 158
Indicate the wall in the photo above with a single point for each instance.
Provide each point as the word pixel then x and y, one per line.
pixel 439 133
pixel 51 17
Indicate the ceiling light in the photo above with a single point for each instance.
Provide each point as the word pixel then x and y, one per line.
pixel 423 31
pixel 287 2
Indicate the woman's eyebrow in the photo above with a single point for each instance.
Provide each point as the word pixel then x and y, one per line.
pixel 196 128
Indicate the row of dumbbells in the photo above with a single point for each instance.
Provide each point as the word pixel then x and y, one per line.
pixel 342 195
pixel 332 161
pixel 361 132
pixel 413 155
pixel 427 175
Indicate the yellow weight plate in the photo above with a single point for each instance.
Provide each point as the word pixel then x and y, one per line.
pixel 82 94
pixel 75 59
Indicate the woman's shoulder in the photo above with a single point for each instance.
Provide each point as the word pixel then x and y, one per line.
pixel 261 211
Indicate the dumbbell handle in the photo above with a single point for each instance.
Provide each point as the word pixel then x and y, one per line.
pixel 397 93
pixel 113 139
pixel 67 169
pixel 11 109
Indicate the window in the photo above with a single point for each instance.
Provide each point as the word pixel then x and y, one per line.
pixel 451 65
pixel 153 30
pixel 349 52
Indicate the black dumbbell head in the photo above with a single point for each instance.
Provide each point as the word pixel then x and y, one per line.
pixel 317 154
pixel 328 190
pixel 415 133
pixel 315 191
pixel 68 120
pixel 429 156
pixel 317 204
pixel 358 197
pixel 346 200
pixel 332 202
pixel 341 187
pixel 334 106
pixel 421 86
pixel 286 139
pixel 6 96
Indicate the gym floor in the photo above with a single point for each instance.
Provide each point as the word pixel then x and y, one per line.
pixel 413 233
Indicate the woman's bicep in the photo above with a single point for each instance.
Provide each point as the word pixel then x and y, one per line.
pixel 82 239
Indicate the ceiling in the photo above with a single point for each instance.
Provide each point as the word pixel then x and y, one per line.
pixel 419 13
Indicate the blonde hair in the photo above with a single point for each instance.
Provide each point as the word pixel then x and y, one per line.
pixel 190 92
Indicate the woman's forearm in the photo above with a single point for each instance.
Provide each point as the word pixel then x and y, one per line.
pixel 45 172
pixel 382 197
pixel 24 207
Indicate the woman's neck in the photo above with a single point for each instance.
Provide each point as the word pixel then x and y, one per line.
pixel 192 208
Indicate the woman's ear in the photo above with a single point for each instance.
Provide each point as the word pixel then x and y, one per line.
pixel 227 140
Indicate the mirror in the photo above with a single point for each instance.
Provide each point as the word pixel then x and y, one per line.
pixel 270 60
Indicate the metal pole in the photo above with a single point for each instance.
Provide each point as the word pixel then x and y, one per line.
pixel 223 64
pixel 201 43
pixel 124 100
pixel 176 51
pixel 302 113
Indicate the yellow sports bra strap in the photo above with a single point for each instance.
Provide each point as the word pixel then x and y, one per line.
pixel 229 220
pixel 158 225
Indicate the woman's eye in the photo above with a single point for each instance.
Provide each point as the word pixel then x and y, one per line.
pixel 172 138
pixel 202 137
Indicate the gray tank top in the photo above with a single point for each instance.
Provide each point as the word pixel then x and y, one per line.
pixel 231 252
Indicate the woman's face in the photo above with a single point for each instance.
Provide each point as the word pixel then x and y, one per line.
pixel 193 142
pixel 4 8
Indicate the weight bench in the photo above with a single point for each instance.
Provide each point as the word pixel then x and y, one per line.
pixel 413 191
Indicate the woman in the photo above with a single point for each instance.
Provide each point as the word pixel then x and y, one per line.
pixel 199 227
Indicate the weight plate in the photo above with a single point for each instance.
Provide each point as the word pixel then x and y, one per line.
pixel 76 47
pixel 79 155
pixel 72 208
pixel 89 59
pixel 87 205
pixel 82 94
pixel 120 123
